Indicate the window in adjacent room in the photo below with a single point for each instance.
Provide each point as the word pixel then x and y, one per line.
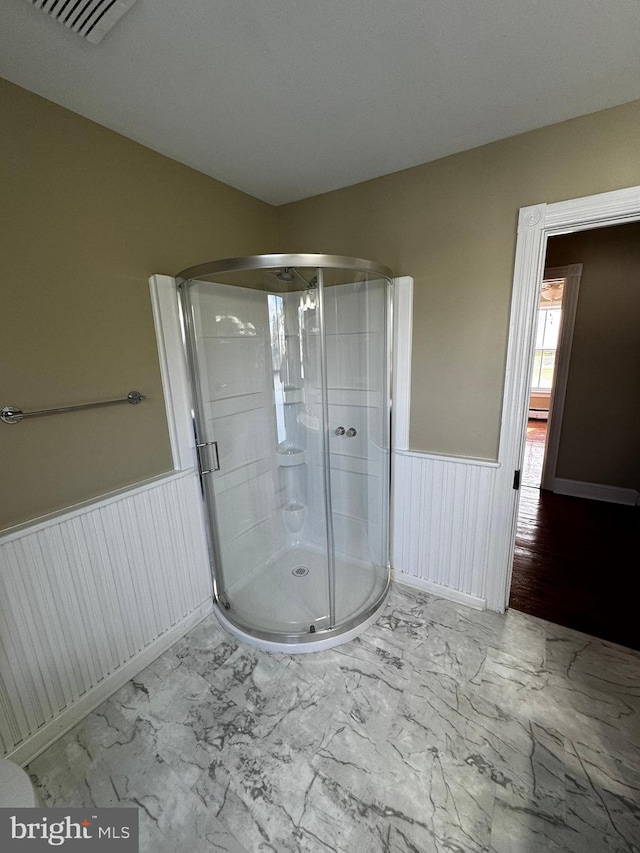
pixel 547 333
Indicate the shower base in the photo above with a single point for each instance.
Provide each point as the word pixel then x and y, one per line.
pixel 281 586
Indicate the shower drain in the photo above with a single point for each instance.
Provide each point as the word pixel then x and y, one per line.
pixel 300 571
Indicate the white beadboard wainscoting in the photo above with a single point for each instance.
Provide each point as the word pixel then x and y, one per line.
pixel 91 596
pixel 441 517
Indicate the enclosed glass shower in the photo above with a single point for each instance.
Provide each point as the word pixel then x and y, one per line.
pixel 289 360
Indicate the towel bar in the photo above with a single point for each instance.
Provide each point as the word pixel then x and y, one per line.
pixel 11 415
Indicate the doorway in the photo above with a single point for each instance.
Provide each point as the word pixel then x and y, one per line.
pixel 577 527
pixel 536 224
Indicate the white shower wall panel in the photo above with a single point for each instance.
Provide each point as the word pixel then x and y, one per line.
pixel 352 308
pixel 350 494
pixel 246 506
pixel 236 366
pixel 356 500
pixel 245 435
pixel 354 361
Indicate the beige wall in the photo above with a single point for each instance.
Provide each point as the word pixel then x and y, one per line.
pixel 600 439
pixel 451 224
pixel 87 216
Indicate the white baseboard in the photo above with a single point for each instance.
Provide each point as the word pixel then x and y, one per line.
pixel 439 590
pixel 595 492
pixel 72 715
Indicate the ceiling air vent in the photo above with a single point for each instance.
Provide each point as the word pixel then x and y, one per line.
pixel 92 19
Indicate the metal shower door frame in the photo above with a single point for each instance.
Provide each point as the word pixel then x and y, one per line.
pixel 328 508
pixel 187 322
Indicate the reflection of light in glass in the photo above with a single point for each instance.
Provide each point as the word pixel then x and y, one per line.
pixel 275 305
pixel 230 325
pixel 305 323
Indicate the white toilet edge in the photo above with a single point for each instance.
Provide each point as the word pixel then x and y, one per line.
pixel 16 790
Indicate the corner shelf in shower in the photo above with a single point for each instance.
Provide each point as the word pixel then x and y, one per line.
pixel 293 515
pixel 291 456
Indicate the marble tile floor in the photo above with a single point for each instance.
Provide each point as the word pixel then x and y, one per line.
pixel 440 730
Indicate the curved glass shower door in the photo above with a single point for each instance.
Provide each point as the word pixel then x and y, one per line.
pixel 256 351
pixel 290 370
pixel 356 332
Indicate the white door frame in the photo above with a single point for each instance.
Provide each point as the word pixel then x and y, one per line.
pixel 571 275
pixel 535 225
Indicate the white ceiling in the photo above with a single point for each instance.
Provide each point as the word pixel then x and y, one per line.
pixel 289 98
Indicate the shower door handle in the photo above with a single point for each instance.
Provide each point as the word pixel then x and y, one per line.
pixel 199 447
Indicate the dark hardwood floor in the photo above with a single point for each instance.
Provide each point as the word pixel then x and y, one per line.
pixel 577 563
